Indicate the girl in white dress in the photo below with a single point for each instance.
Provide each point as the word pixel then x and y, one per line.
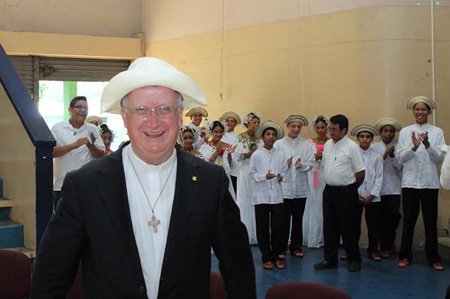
pixel 313 215
pixel 218 152
pixel 248 144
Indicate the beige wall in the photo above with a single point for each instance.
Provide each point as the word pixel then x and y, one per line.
pixel 70 45
pixel 364 61
pixel 361 58
pixel 17 168
pixel 119 18
pixel 164 20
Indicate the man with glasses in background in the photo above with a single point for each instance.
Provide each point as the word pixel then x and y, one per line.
pixel 144 219
pixel 77 143
pixel 344 172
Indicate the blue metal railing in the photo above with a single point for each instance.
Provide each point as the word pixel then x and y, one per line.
pixel 39 135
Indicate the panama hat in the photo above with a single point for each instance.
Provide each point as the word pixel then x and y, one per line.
pixel 386 121
pixel 364 128
pixel 197 110
pixel 147 71
pixel 231 114
pixel 300 118
pixel 269 124
pixel 421 99
pixel 94 118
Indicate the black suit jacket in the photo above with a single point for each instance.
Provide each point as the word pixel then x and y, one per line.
pixel 93 223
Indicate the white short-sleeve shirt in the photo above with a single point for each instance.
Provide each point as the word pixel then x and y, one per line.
pixel 64 134
pixel 341 161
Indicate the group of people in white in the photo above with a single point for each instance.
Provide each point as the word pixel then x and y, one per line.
pixel 294 192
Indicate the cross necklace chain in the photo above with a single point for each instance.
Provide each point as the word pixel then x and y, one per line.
pixel 154 222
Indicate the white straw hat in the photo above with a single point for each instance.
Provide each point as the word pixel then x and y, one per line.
pixel 387 121
pixel 364 128
pixel 147 71
pixel 300 118
pixel 421 99
pixel 197 110
pixel 231 114
pixel 269 124
pixel 94 118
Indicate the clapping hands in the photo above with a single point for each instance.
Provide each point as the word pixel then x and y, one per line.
pixel 418 138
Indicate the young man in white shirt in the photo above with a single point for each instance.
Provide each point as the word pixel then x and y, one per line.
pixel 420 149
pixel 231 120
pixel 299 157
pixel 196 115
pixel 392 183
pixel 267 170
pixel 369 191
pixel 77 143
pixel 344 172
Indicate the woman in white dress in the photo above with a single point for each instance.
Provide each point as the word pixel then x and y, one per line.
pixel 313 215
pixel 218 152
pixel 247 145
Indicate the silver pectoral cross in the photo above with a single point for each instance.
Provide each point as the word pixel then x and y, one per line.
pixel 154 223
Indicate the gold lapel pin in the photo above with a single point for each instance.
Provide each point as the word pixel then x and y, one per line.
pixel 194 178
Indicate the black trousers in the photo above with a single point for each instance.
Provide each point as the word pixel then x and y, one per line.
pixel 390 219
pixel 413 201
pixel 341 216
pixel 293 211
pixel 269 230
pixel 372 215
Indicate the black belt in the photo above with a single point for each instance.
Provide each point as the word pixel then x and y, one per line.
pixel 341 187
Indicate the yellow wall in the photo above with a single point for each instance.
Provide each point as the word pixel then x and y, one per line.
pixel 365 63
pixel 100 17
pixel 70 45
pixel 17 168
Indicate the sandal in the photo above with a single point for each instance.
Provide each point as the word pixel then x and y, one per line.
pixel 280 264
pixel 297 253
pixel 282 256
pixel 374 256
pixel 386 254
pixel 403 263
pixel 344 257
pixel 268 265
pixel 438 266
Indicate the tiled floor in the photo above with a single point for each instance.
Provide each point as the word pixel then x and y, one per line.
pixel 376 279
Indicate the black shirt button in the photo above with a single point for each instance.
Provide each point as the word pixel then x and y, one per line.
pixel 141 290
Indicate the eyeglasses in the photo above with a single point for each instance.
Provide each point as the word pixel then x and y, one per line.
pixel 80 107
pixel 144 112
pixel 334 129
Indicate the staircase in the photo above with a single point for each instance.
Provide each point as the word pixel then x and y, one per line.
pixel 11 232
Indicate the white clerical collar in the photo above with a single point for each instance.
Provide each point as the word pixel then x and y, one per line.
pixel 150 167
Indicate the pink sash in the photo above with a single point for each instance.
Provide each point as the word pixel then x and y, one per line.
pixel 319 147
